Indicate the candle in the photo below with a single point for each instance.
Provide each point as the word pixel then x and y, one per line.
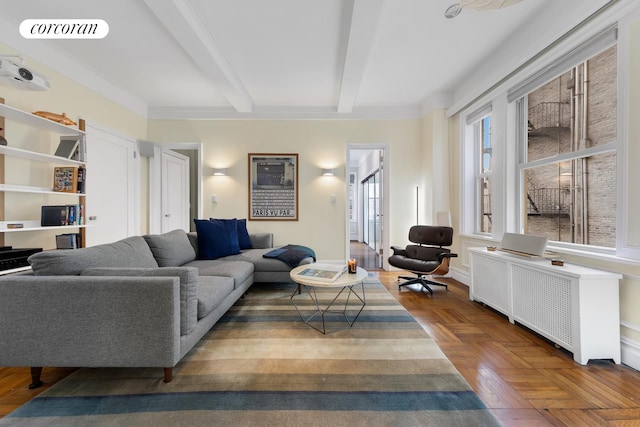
pixel 353 266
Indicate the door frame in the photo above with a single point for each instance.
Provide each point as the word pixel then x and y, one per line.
pixel 155 181
pixel 385 196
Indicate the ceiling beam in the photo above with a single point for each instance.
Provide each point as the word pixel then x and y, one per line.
pixel 182 19
pixel 363 27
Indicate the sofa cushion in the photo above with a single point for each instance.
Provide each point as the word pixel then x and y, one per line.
pixel 188 287
pixel 240 271
pixel 171 249
pixel 130 252
pixel 260 263
pixel 212 290
pixel 261 240
pixel 216 238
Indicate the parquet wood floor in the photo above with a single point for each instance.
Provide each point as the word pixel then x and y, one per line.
pixel 524 379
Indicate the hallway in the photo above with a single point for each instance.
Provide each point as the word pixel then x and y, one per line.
pixel 367 258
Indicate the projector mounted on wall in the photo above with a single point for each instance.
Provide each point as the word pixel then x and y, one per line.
pixel 13 73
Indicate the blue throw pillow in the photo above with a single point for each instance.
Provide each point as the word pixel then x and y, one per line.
pixel 244 241
pixel 243 235
pixel 216 238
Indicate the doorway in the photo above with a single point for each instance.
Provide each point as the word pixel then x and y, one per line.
pixel 175 191
pixel 367 207
pixel 194 152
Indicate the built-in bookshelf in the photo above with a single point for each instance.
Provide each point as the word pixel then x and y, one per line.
pixel 8 115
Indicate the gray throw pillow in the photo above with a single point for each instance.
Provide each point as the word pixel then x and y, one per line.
pixel 171 249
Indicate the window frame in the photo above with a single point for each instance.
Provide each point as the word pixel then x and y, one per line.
pixel 508 123
pixel 472 154
pixel 480 173
pixel 523 164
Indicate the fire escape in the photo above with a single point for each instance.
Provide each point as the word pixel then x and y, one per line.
pixel 548 121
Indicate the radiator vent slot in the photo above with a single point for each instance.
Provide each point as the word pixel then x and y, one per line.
pixel 543 301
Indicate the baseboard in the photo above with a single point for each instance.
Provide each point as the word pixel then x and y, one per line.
pixel 461 276
pixel 630 353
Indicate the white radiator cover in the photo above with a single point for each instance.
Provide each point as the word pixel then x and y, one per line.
pixel 544 302
pixel 574 306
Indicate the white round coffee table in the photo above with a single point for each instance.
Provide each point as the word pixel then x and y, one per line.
pixel 345 283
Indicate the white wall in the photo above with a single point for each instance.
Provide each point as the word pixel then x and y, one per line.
pixel 319 144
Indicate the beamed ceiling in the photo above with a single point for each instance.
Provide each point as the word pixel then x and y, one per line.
pixel 291 58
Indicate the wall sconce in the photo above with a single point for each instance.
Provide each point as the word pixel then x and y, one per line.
pixel 219 172
pixel 328 172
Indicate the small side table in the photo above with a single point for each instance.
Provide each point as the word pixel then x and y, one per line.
pixel 345 283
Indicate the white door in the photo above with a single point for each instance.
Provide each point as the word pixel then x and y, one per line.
pixel 111 201
pixel 175 191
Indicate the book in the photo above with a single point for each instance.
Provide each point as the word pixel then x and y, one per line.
pixel 67 241
pixel 323 272
pixel 82 175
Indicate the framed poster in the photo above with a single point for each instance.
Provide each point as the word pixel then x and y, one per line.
pixel 273 187
pixel 65 179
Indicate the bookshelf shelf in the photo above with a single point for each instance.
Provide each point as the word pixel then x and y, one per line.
pixel 29 119
pixel 33 155
pixel 32 226
pixel 38 190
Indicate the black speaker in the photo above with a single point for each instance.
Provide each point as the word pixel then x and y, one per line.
pixel 53 216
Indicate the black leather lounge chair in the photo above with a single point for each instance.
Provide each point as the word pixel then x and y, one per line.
pixel 426 257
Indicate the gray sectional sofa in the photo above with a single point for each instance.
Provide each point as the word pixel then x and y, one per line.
pixel 143 301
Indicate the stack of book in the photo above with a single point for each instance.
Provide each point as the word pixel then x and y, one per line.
pixel 68 241
pixel 58 215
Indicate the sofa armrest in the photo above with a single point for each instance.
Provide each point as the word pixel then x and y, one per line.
pixel 188 288
pixel 89 321
pixel 261 240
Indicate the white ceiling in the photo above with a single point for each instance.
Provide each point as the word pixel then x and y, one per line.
pixel 291 58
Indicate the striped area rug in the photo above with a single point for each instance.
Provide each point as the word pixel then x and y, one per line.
pixel 261 365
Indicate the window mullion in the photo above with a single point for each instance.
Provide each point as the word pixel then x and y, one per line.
pixel 587 152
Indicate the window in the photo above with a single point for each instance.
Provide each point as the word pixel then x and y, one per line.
pixel 568 156
pixel 544 156
pixel 479 168
pixel 482 132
